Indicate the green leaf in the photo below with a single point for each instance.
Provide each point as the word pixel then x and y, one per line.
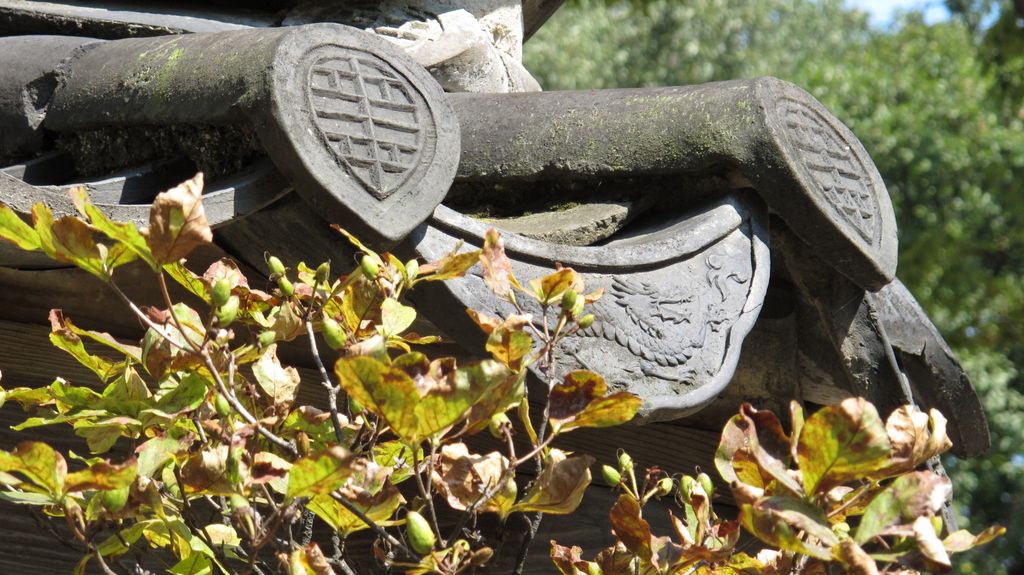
pixel 417 398
pixel 510 345
pixel 452 265
pixel 909 496
pixel 177 222
pixel 580 401
pixel 14 229
pixel 278 382
pixel 185 395
pixel 550 288
pixel 840 443
pixel 125 234
pixel 26 498
pixel 63 336
pixel 195 564
pixel 963 540
pixel 188 280
pixel 395 317
pixel 379 508
pixel 779 520
pixel 38 463
pixel 103 476
pixel 73 242
pixel 320 474
pixel 561 485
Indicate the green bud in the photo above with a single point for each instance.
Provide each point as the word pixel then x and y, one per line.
pixel 333 334
pixel 228 312
pixel 706 484
pixel 412 269
pixel 421 537
pixel 686 484
pixel 275 265
pixel 222 405
pixel 497 422
pixel 114 500
pixel 611 475
pixel 586 321
pixel 221 292
pixel 842 529
pixel 323 272
pixel 267 338
pixel 937 524
pixel 625 461
pixel 569 299
pixel 287 289
pixel 665 485
pixel 370 268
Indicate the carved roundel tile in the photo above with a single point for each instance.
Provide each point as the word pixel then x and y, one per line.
pixel 362 132
pixel 835 166
pixel 368 116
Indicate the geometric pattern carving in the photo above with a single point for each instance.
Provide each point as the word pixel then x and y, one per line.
pixel 369 117
pixel 840 174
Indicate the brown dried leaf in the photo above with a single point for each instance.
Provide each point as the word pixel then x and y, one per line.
pixel 497 266
pixel 858 560
pixel 177 222
pixel 630 528
pixel 560 487
pixel 915 437
pixel 465 478
pixel 278 382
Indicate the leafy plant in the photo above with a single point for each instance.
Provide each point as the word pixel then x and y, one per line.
pixel 798 493
pixel 229 473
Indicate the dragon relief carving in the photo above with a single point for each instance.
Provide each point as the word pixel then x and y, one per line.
pixel 665 328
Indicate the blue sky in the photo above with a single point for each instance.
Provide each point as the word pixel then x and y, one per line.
pixel 882 11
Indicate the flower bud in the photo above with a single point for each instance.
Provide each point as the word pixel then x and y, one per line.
pixel 333 334
pixel 421 537
pixel 323 272
pixel 586 321
pixel 287 289
pixel 665 486
pixel 611 475
pixel 221 292
pixel 569 299
pixel 267 338
pixel 937 524
pixel 275 265
pixel 706 484
pixel 497 422
pixel 625 461
pixel 222 406
pixel 412 269
pixel 228 312
pixel 686 484
pixel 370 268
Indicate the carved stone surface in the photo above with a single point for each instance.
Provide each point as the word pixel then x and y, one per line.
pixel 764 133
pixel 376 145
pixel 359 129
pixel 371 119
pixel 835 165
pixel 470 45
pixel 678 300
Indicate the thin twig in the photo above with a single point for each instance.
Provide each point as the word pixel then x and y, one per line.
pixel 162 281
pixel 373 525
pixel 332 390
pixel 248 417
